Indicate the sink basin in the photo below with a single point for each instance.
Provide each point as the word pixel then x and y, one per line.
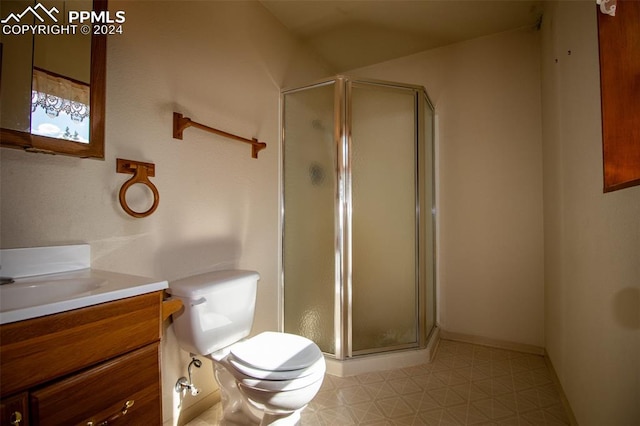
pixel 38 291
pixel 49 280
pixel 40 295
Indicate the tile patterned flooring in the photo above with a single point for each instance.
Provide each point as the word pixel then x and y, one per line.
pixel 465 385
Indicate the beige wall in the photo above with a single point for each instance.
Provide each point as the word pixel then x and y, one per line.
pixel 592 240
pixel 490 261
pixel 223 63
pixel 220 63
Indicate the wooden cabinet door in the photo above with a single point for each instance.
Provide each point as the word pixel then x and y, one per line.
pixel 123 391
pixel 619 41
pixel 14 410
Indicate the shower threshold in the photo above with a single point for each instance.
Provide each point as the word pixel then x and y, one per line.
pixel 384 361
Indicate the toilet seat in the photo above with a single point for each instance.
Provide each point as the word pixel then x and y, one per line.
pixel 272 356
pixel 279 385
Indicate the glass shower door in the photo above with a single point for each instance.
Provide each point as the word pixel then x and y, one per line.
pixel 358 259
pixel 309 191
pixel 384 243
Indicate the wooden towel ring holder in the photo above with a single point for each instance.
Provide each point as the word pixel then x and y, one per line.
pixel 141 173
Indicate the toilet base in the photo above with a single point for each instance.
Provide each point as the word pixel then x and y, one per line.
pixel 290 419
pixel 238 410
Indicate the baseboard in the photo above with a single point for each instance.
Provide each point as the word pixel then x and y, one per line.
pixel 563 396
pixel 494 343
pixel 191 412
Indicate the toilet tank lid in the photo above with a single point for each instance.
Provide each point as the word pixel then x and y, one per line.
pixel 199 285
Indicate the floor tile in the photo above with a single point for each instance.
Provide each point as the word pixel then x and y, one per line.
pixel 464 385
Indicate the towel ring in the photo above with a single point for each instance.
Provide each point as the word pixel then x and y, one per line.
pixel 141 173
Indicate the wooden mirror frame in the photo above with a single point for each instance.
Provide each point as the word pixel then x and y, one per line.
pixel 95 148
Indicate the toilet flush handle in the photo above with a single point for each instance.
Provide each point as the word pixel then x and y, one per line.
pixel 198 302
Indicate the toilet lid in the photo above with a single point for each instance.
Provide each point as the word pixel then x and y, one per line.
pixel 270 351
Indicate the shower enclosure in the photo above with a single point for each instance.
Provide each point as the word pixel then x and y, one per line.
pixel 358 244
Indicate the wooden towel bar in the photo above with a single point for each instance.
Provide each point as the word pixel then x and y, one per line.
pixel 180 123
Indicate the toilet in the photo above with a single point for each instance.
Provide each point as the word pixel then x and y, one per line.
pixel 267 379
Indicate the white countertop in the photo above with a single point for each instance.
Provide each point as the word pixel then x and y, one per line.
pixel 41 295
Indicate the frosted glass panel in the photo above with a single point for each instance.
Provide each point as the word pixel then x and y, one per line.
pixel 428 203
pixel 383 173
pixel 309 218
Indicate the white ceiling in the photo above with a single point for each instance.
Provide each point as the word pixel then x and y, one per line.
pixel 350 34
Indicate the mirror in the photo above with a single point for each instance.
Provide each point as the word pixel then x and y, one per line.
pixel 52 80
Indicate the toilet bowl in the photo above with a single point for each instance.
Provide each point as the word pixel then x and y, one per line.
pixel 265 379
pixel 278 373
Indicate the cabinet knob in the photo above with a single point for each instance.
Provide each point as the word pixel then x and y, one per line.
pixel 16 418
pixel 127 405
pixel 123 411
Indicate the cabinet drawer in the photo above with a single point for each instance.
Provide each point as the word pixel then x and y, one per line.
pixel 101 393
pixel 41 349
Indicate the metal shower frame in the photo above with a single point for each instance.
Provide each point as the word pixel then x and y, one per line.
pixel 343 321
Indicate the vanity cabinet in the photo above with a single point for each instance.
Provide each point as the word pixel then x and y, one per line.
pixel 84 367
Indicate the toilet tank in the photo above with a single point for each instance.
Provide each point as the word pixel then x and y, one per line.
pixel 218 309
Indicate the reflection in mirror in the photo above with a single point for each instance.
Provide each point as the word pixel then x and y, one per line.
pixel 59 107
pixel 60 87
pixel 52 88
